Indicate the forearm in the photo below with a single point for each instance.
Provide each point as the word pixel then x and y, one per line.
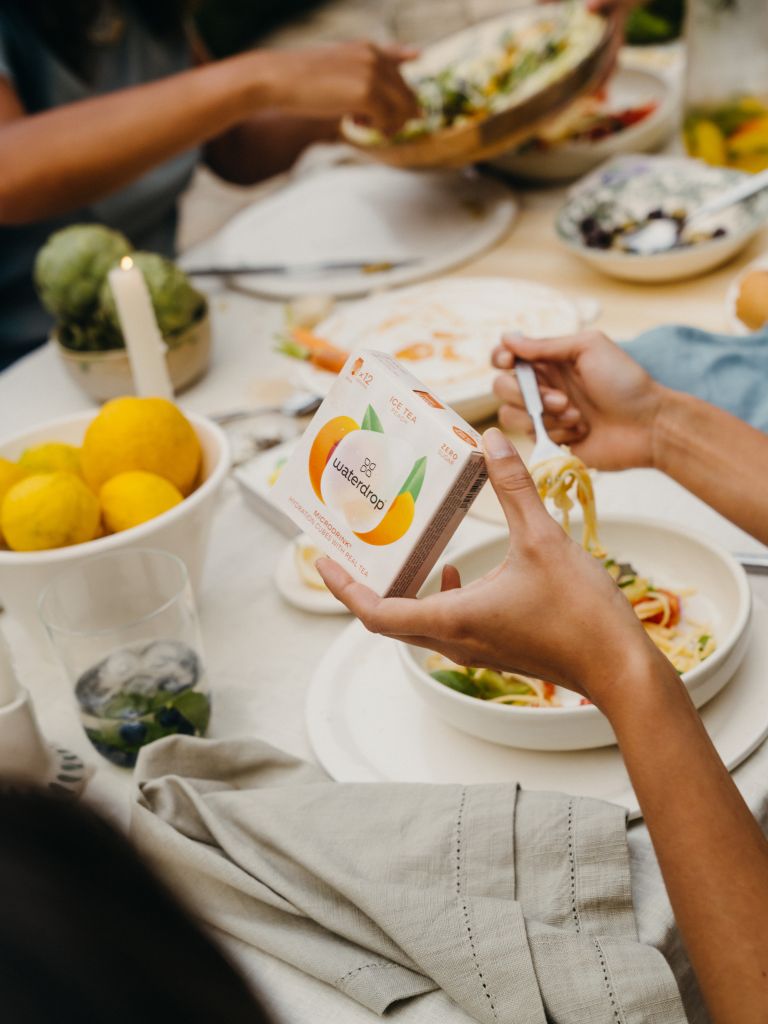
pixel 266 144
pixel 712 855
pixel 64 158
pixel 717 457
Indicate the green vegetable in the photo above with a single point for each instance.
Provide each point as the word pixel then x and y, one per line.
pixel 177 304
pixel 704 640
pixel 286 346
pixel 656 22
pixel 494 684
pixel 95 335
pixel 71 268
pixel 628 582
pixel 459 681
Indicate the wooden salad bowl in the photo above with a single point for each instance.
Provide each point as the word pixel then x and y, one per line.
pixel 488 135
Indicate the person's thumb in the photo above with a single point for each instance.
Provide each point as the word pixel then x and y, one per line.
pixel 510 479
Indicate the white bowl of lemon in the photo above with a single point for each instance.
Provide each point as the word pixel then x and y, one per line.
pixel 138 473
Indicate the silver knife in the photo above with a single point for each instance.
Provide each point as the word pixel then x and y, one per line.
pixel 754 563
pixel 301 269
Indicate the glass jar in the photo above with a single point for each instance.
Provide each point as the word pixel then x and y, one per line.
pixel 726 89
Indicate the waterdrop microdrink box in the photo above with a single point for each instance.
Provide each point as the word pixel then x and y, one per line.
pixel 382 476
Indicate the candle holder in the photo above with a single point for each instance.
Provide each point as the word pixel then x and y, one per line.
pixel 26 756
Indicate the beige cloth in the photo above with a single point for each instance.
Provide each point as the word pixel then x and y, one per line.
pixel 515 904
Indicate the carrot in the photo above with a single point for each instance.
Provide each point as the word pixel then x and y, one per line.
pixel 330 359
pixel 314 343
pixel 301 343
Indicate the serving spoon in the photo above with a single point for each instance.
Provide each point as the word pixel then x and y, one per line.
pixel 663 233
pixel 545 447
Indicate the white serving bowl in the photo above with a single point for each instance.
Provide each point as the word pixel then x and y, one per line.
pixel 668 555
pixel 568 160
pixel 633 186
pixel 182 530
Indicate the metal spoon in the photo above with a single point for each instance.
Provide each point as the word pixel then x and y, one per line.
pixel 545 447
pixel 302 403
pixel 664 233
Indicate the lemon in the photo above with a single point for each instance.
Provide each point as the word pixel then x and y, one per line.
pixel 305 556
pixel 10 474
pixel 134 497
pixel 49 510
pixel 150 434
pixel 51 457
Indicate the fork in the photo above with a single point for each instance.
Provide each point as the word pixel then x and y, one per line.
pixel 545 447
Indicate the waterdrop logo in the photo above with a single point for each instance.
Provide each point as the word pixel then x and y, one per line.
pixel 368 477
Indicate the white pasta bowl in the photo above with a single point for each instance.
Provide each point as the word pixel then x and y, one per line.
pixel 182 530
pixel 668 555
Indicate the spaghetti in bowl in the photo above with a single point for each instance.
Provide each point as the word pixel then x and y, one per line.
pixel 678 560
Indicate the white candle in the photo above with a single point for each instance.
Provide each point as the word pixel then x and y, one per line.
pixel 9 687
pixel 143 341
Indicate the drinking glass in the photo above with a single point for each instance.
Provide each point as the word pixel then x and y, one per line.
pixel 125 629
pixel 726 83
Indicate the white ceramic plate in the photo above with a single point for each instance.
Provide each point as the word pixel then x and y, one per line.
pixel 361 212
pixel 366 724
pixel 629 187
pixel 299 593
pixel 670 556
pixel 461 318
pixel 564 161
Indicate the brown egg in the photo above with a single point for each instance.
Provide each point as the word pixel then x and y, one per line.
pixel 752 301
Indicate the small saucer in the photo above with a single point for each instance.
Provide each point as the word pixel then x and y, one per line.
pixel 300 594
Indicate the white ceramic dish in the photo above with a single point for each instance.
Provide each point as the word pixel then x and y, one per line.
pixel 465 315
pixel 367 724
pixel 735 324
pixel 630 187
pixel 254 478
pixel 567 160
pixel 670 556
pixel 297 592
pixel 183 530
pixel 361 212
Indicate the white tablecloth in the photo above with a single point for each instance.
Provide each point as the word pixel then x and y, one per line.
pixel 260 652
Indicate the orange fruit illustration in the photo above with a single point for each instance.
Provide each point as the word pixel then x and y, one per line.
pixel 395 523
pixel 324 445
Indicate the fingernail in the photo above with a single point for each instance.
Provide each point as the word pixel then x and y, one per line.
pixel 570 416
pixel 554 401
pixel 504 359
pixel 496 444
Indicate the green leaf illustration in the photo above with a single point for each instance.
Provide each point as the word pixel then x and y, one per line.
pixel 371 421
pixel 415 478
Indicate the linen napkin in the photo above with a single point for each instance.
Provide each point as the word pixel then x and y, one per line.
pixel 727 371
pixel 516 904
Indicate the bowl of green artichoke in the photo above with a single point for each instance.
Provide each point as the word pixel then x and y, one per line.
pixel 71 279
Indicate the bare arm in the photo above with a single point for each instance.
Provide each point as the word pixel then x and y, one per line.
pixel 521 618
pixel 61 159
pixel 717 456
pixel 266 144
pixel 615 416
